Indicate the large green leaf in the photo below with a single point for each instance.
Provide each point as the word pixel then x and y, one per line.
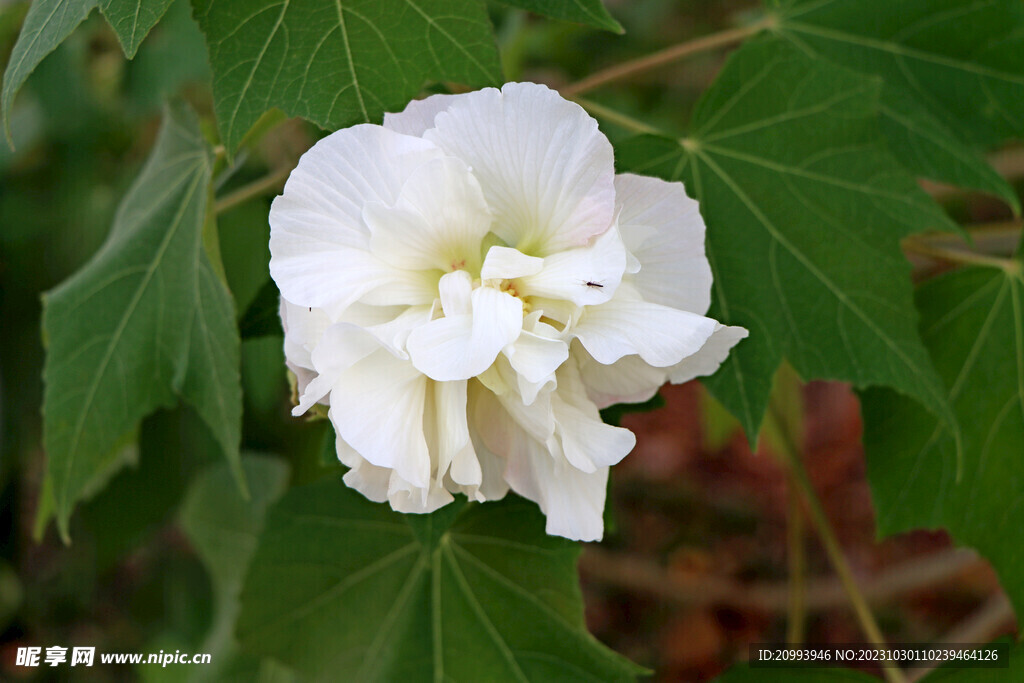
pixel 46 25
pixel 144 322
pixel 930 149
pixel 973 324
pixel 805 211
pixel 340 585
pixel 961 63
pixel 338 62
pixel 590 12
pixel 132 20
pixel 224 528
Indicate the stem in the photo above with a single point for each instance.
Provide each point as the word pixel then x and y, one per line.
pixel 640 575
pixel 933 251
pixel 797 607
pixel 994 618
pixel 869 626
pixel 670 54
pixel 267 183
pixel 617 117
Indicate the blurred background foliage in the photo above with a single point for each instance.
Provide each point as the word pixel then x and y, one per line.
pixel 693 572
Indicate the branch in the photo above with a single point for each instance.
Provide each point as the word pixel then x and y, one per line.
pixel 671 54
pixel 638 574
pixel 268 183
pixel 994 618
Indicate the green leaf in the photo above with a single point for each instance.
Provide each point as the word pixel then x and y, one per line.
pixel 224 529
pixel 961 62
pixel 805 210
pixel 132 20
pixel 172 446
pixel 213 383
pixel 973 324
pixel 338 62
pixel 143 323
pixel 47 24
pixel 174 54
pixel 589 12
pixel 927 148
pixel 343 585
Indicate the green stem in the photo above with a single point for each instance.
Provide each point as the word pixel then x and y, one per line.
pixel 798 476
pixel 617 117
pixel 268 183
pixel 961 256
pixel 670 54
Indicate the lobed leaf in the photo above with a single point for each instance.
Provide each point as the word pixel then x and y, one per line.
pixel 224 529
pixel 973 324
pixel 340 585
pixel 46 25
pixel 338 62
pixel 144 322
pixel 805 210
pixel 132 20
pixel 953 73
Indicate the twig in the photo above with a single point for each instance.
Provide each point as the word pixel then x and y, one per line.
pixel 640 575
pixel 921 247
pixel 992 619
pixel 617 117
pixel 670 54
pixel 267 183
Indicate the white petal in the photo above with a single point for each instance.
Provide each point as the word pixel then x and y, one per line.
pixel 572 500
pixel 709 357
pixel 586 276
pixel 660 335
pixel 509 263
pixel 456 290
pixel 663 229
pixel 404 497
pixel 463 346
pixel 546 170
pixel 394 333
pixel 369 480
pixel 418 116
pixel 438 222
pixel 455 450
pixel 342 346
pixel 303 329
pixel 627 380
pixel 587 442
pixel 318 240
pixel 379 412
pixel 535 356
pixel 492 466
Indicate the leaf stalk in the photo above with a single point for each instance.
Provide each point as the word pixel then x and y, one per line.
pixel 666 56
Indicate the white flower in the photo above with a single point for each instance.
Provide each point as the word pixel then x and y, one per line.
pixel 466 285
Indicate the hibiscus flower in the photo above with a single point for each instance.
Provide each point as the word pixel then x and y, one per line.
pixel 466 286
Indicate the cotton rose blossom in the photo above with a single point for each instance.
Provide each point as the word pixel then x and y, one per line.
pixel 467 285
